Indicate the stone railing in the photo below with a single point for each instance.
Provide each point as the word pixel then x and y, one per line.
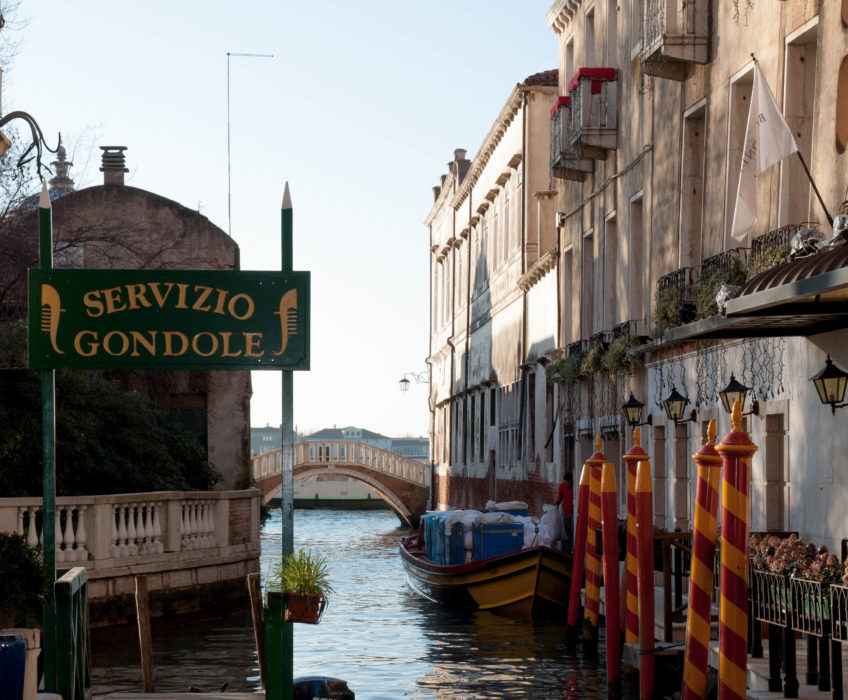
pixel 102 532
pixel 349 452
pixel 183 541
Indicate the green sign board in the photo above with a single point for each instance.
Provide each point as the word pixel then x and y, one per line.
pixel 168 319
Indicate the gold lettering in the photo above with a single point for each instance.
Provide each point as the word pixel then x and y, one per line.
pixel 92 301
pixel 225 350
pixel 113 297
pixel 90 349
pixel 222 297
pixel 231 307
pixel 252 343
pixel 196 346
pixel 125 343
pixel 160 298
pixel 204 295
pixel 139 339
pixel 181 299
pixel 136 293
pixel 169 343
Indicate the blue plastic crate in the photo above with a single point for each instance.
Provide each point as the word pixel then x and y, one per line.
pixel 493 539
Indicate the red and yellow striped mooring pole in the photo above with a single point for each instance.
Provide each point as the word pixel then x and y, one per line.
pixel 592 604
pixel 578 558
pixel 708 462
pixel 631 613
pixel 609 515
pixel 645 576
pixel 735 450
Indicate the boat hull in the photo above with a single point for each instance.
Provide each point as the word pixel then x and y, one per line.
pixel 528 582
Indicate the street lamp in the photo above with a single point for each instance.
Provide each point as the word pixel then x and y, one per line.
pixel 675 405
pixel 736 391
pixel 418 377
pixel 830 385
pixel 632 411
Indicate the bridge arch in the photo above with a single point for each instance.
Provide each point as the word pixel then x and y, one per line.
pixel 392 500
pixel 403 483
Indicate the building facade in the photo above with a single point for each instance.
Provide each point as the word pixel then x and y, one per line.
pixel 645 140
pixel 492 255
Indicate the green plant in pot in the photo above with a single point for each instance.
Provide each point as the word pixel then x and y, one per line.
pixel 619 360
pixel 304 580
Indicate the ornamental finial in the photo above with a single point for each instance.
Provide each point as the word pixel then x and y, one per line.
pixel 635 437
pixel 598 443
pixel 711 433
pixel 736 417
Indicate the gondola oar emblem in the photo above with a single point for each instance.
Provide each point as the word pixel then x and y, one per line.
pixel 288 319
pixel 51 309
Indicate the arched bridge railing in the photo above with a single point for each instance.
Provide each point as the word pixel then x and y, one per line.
pixel 344 452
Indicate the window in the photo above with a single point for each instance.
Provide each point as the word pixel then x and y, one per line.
pixel 612 32
pixel 635 256
pixel 692 186
pixel 496 242
pixel 589 40
pixel 610 276
pixel 842 106
pixel 586 291
pixel 737 122
pixel 797 202
pixel 507 243
pixel 568 295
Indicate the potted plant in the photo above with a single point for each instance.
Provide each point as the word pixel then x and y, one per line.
pixel 303 578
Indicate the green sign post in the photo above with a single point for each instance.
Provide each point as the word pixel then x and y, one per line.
pixel 171 319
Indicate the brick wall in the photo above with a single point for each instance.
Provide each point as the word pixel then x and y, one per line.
pixel 466 492
pixel 240 521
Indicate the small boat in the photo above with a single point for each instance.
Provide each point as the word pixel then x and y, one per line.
pixel 524 582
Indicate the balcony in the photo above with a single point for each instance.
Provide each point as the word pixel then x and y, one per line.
pixel 583 123
pixel 675 33
pixel 565 163
pixel 781 291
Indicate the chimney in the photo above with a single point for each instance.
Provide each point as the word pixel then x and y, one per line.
pixel 461 164
pixel 113 164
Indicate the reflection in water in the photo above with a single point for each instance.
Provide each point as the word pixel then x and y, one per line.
pixel 385 641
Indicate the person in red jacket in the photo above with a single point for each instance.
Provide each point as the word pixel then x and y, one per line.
pixel 565 496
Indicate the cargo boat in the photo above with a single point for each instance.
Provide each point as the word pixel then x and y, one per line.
pixel 526 581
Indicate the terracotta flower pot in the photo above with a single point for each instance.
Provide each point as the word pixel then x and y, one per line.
pixel 301 608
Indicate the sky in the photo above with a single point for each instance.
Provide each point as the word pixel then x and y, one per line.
pixel 359 110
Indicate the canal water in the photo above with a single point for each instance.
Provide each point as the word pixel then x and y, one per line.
pixel 376 634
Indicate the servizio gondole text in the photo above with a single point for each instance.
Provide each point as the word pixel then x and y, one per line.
pixel 176 295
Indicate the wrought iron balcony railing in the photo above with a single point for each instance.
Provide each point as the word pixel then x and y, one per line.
pixel 723 261
pixel 772 248
pixel 674 33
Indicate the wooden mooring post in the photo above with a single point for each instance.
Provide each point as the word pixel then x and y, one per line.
pixel 257 614
pixel 145 640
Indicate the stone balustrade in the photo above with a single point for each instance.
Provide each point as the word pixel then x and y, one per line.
pixel 180 540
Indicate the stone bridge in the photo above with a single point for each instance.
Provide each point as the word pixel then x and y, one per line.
pixel 402 482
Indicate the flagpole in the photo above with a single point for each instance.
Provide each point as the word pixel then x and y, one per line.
pixel 815 189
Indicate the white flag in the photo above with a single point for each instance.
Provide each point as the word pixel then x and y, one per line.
pixel 767 141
